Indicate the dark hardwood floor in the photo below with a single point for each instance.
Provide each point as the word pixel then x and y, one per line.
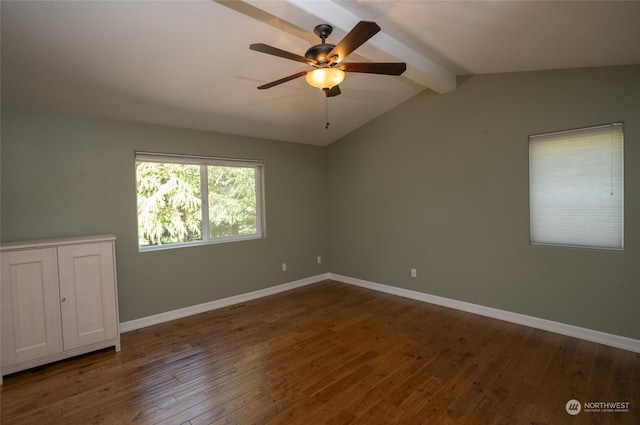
pixel 330 354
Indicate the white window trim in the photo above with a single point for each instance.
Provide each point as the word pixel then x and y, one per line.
pixel 537 137
pixel 203 162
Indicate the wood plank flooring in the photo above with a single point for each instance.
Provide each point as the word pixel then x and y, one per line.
pixel 330 354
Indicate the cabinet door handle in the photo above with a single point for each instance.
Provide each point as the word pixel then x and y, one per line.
pixel 63 299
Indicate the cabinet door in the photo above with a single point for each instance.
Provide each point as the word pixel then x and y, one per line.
pixel 88 293
pixel 31 321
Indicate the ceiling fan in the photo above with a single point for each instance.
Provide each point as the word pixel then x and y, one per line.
pixel 327 59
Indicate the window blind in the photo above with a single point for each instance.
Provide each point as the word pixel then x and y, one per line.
pixel 576 187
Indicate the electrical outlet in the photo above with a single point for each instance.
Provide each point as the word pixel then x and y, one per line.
pixel 414 273
pixel 319 259
pixel 284 267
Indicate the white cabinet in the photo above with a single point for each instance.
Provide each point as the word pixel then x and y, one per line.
pixel 58 299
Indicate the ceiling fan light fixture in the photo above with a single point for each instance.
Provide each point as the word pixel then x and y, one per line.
pixel 327 59
pixel 325 78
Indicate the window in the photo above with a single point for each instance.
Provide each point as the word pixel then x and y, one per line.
pixel 576 190
pixel 185 200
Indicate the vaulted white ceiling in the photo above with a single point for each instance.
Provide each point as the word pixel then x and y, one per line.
pixel 188 64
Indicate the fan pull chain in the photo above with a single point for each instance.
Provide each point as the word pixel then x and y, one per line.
pixel 326 113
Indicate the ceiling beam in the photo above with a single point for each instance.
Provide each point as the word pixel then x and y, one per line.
pixel 308 14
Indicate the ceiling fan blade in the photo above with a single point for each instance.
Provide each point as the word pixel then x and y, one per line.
pixel 363 31
pixel 386 68
pixel 283 80
pixel 270 50
pixel 333 91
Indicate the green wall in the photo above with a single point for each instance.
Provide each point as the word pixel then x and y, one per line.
pixel 68 176
pixel 440 184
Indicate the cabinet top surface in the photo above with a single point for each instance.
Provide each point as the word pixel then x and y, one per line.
pixel 55 242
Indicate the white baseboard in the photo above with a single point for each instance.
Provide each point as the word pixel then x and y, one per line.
pixel 521 319
pixel 212 305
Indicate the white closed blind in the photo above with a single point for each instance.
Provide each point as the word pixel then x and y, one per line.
pixel 576 187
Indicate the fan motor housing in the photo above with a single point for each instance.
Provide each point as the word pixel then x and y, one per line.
pixel 319 52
